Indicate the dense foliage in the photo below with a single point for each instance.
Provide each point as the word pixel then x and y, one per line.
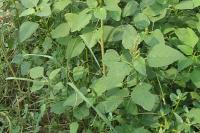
pixel 100 66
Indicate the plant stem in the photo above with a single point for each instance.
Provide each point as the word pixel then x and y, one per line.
pixel 102 49
pixel 10 67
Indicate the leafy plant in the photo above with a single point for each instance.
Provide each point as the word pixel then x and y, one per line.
pixel 109 66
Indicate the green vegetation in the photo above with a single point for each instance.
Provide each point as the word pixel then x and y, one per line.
pixel 100 66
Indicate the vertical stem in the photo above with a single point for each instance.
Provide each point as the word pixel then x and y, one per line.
pixel 11 69
pixel 102 48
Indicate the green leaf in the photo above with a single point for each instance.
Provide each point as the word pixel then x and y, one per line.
pixel 112 5
pixel 29 3
pixel 111 56
pixel 78 72
pixel 155 38
pixel 73 100
pixel 58 108
pixel 130 8
pixel 186 49
pixel 81 112
pixel 54 73
pixel 27 29
pixel 130 37
pixel 78 21
pixel 195 77
pixel 61 30
pixel 141 130
pixel 187 36
pixel 75 47
pixel 110 104
pixel 162 55
pixel 37 72
pixel 188 4
pixel 100 13
pixel 27 12
pixel 141 21
pixel 90 38
pixel 60 5
pixel 37 85
pixel 142 96
pixel 73 127
pixel 140 65
pixel 194 114
pixel 92 3
pixel 44 9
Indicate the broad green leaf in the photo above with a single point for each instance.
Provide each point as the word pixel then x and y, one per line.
pixel 92 3
pixel 187 36
pixel 73 127
pixel 186 49
pixel 61 30
pixel 27 29
pixel 90 38
pixel 81 112
pixel 195 77
pixel 130 9
pixel 112 5
pixel 44 10
pixel 142 96
pixel 140 65
pixel 162 55
pixel 78 72
pixel 182 64
pixel 78 21
pixel 47 44
pixel 130 37
pixel 100 13
pixel 141 130
pixel 141 21
pixel 29 3
pixel 155 38
pixel 188 4
pixel 27 12
pixel 37 72
pixel 37 85
pixel 60 5
pixel 112 34
pixel 111 56
pixel 105 83
pixel 75 47
pixel 25 67
pixel 54 73
pixel 110 104
pixel 194 114
pixel 58 108
pixel 73 100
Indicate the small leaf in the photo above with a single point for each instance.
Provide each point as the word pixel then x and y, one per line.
pixel 130 37
pixel 100 13
pixel 53 74
pixel 187 36
pixel 140 65
pixel 29 3
pixel 58 108
pixel 92 3
pixel 61 30
pixel 162 55
pixel 141 130
pixel 78 21
pixel 73 127
pixel 81 112
pixel 141 95
pixel 37 72
pixel 90 38
pixel 37 85
pixel 130 8
pixel 78 72
pixel 194 114
pixel 59 5
pixel 141 21
pixel 195 77
pixel 27 12
pixel 27 29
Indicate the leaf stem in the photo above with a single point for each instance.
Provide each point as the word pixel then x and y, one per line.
pixel 102 48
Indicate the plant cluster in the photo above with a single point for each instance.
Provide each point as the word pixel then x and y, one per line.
pixel 100 66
